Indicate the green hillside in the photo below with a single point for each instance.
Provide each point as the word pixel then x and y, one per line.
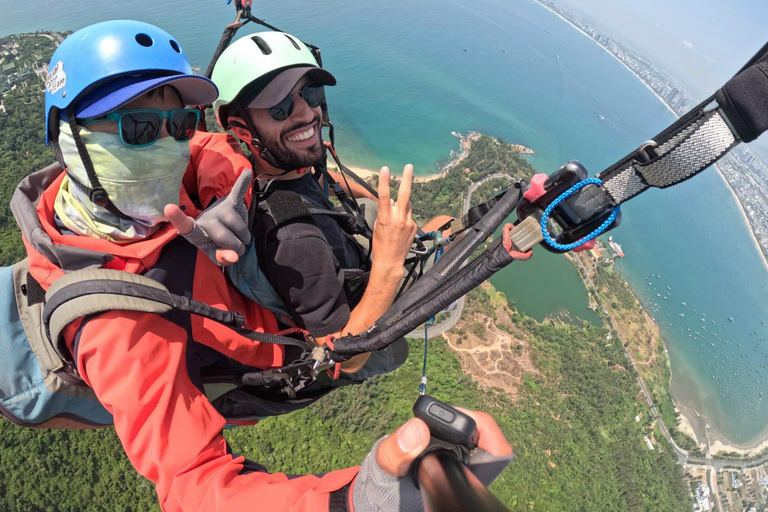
pixel 577 444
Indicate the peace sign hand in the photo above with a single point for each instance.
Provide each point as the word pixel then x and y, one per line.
pixel 395 228
pixel 221 231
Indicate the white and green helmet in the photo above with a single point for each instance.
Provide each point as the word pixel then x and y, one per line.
pixel 259 70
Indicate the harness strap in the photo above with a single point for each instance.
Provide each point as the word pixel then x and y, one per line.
pixel 735 113
pixel 685 149
pixel 93 291
pixel 349 203
pixel 285 206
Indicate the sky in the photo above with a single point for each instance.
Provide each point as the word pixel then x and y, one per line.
pixel 702 42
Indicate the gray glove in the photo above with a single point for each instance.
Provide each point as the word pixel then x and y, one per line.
pixel 224 225
pixel 375 490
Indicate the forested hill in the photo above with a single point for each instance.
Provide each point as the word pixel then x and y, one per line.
pixel 24 60
pixel 569 413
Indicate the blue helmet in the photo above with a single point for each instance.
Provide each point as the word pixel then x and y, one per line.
pixel 103 66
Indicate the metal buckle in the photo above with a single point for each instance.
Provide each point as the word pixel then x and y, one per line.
pixel 420 249
pixel 322 361
pixel 646 153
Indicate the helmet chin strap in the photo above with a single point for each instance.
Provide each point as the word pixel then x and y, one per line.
pixel 96 193
pixel 264 153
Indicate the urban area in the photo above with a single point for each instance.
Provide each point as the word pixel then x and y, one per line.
pixel 744 171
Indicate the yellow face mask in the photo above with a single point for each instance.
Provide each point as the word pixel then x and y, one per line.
pixel 139 181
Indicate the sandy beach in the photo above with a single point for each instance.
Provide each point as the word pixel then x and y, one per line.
pixel 744 216
pixel 686 428
pixel 456 158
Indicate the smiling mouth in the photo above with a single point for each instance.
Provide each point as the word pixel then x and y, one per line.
pixel 306 134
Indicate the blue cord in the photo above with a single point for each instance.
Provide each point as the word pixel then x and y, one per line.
pixel 567 247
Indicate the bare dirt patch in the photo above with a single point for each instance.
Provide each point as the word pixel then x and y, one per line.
pixel 497 358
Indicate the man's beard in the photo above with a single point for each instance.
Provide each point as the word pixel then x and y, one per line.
pixel 290 160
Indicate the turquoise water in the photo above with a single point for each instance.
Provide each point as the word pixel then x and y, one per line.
pixel 405 82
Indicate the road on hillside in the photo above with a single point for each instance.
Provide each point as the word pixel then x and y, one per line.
pixel 455 314
pixel 683 456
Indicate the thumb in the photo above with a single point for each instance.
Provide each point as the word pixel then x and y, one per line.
pixel 180 220
pixel 226 257
pixel 396 452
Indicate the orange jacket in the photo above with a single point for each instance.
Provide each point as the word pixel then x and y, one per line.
pixel 216 161
pixel 138 364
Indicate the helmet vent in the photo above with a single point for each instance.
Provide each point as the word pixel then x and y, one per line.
pixel 144 40
pixel 175 46
pixel 262 44
pixel 294 43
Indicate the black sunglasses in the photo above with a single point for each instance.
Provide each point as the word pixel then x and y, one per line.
pixel 141 127
pixel 313 94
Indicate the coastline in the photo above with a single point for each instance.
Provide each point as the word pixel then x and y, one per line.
pixel 465 143
pixel 685 424
pixel 722 176
pixel 744 216
pixel 695 426
pixel 721 445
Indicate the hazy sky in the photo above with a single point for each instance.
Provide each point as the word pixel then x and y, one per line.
pixel 704 42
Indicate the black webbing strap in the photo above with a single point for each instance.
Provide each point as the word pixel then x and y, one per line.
pixel 744 99
pixel 73 295
pixel 286 206
pixel 226 38
pixel 349 202
pixel 338 501
pixel 738 112
pixel 476 213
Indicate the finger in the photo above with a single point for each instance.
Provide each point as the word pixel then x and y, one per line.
pixel 226 257
pixel 522 256
pixel 404 193
pixel 506 236
pixel 241 187
pixel 491 438
pixel 408 209
pixel 237 227
pixel 506 242
pixel 384 192
pixel 227 240
pixel 180 220
pixel 396 453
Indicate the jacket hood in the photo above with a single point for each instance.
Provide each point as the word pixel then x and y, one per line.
pixel 51 254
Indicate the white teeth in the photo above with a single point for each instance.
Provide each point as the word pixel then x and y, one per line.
pixel 303 135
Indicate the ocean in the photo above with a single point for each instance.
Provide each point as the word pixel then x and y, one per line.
pixel 410 73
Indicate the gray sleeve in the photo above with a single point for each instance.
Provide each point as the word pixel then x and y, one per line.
pixel 303 270
pixel 377 491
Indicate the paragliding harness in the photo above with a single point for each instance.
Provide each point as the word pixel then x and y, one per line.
pixel 578 209
pixel 351 217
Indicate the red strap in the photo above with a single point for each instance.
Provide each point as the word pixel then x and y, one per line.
pixel 336 373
